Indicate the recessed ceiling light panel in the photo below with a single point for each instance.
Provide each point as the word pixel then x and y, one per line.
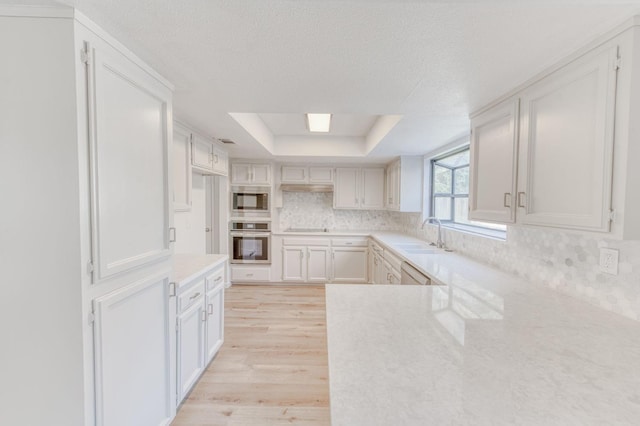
pixel 319 122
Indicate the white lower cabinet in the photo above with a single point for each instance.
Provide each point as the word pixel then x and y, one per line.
pixel 305 260
pixel 349 264
pixel 199 326
pixel 134 356
pixel 191 342
pixel 379 272
pixel 215 321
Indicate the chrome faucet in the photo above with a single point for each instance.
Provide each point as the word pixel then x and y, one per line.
pixel 439 243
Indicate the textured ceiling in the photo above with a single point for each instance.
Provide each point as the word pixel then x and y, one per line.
pixel 432 62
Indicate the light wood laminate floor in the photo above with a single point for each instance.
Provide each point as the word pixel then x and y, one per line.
pixel 272 368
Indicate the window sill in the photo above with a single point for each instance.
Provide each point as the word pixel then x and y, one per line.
pixel 494 234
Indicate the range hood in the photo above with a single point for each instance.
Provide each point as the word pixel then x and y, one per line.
pixel 306 187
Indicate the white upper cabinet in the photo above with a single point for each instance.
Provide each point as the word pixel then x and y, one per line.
pixel 494 157
pixel 566 143
pixel 202 152
pixel 372 189
pixel 220 161
pixel 402 176
pixel 361 189
pixel 207 157
pixel 545 157
pixel 129 125
pixel 181 168
pixel 304 174
pixel 347 190
pixel 251 174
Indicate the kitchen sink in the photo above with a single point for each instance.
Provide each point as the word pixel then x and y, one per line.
pixel 411 246
pixel 422 251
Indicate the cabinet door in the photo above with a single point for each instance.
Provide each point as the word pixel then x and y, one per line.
pixel 346 191
pixel 215 321
pixel 202 153
pixel 261 174
pixel 381 273
pixel 392 186
pixel 567 124
pixel 320 175
pixel 318 260
pixel 294 174
pixel 349 264
pixel 129 125
pixel 181 168
pixel 240 173
pixel 134 352
pixel 293 263
pixel 191 346
pixel 494 156
pixel 220 161
pixel 372 189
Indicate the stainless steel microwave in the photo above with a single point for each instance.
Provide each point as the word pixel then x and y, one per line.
pixel 248 200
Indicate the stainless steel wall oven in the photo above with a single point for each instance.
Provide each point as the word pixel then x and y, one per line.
pixel 250 242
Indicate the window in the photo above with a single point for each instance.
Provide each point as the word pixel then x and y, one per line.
pixel 450 194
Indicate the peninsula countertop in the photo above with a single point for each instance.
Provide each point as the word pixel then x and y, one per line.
pixel 188 266
pixel 486 349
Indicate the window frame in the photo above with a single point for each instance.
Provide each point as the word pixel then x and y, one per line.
pixel 463 227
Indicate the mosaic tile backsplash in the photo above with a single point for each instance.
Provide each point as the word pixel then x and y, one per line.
pixel 564 261
pixel 315 210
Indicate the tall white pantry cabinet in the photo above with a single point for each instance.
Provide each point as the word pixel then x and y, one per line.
pixel 86 226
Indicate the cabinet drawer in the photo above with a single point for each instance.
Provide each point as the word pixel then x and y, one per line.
pixel 215 278
pixel 393 260
pixel 376 248
pixel 250 274
pixel 193 294
pixel 323 242
pixel 350 242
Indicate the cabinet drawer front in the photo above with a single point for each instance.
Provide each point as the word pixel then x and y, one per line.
pixel 376 248
pixel 249 274
pixel 393 260
pixel 215 278
pixel 350 242
pixel 192 294
pixel 323 242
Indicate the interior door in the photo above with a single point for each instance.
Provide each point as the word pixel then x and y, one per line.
pixel 130 125
pixel 134 354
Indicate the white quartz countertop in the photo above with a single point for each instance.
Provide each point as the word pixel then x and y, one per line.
pixel 188 266
pixel 487 348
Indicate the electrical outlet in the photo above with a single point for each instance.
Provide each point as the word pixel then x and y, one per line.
pixel 609 261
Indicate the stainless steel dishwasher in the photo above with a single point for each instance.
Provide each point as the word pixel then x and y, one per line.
pixel 410 275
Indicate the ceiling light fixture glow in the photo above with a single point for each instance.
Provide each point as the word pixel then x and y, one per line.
pixel 319 122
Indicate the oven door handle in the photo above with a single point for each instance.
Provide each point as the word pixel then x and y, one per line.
pixel 250 234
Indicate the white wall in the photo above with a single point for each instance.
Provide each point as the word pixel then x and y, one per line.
pixel 190 226
pixel 40 308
